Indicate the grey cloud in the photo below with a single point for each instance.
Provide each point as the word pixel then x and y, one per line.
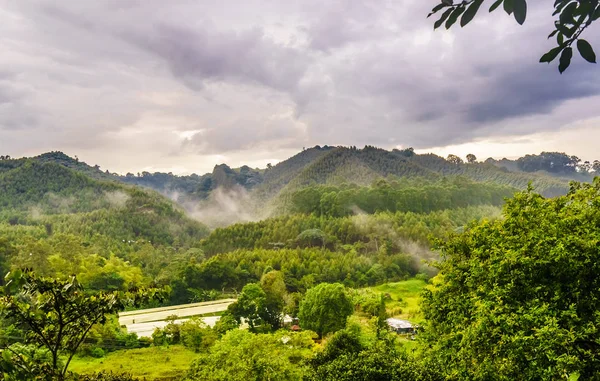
pixel 533 90
pixel 262 76
pixel 16 112
pixel 195 52
pixel 197 55
pixel 342 22
pixel 441 93
pixel 246 135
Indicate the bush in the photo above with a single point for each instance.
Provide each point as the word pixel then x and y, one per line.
pixel 144 342
pixel 226 323
pixel 196 335
pixel 128 340
pixel 159 337
pixel 97 352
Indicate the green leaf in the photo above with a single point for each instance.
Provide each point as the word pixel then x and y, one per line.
pixel 566 15
pixel 520 10
pixel 470 12
pixel 586 50
pixel 508 6
pixel 495 5
pixel 551 55
pixel 566 31
pixel 436 9
pixel 565 59
pixel 583 9
pixel 454 16
pixel 553 33
pixel 445 15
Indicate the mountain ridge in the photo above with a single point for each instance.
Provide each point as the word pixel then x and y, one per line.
pixel 267 189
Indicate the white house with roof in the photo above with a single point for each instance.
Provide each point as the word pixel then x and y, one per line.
pixel 401 326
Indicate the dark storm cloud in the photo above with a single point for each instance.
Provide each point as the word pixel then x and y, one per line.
pixel 533 90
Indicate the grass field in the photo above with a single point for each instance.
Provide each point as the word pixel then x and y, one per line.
pixel 151 364
pixel 405 298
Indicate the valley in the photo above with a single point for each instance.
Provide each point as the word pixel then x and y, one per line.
pixel 369 233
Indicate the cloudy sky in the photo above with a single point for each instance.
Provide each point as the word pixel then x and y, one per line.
pixel 183 85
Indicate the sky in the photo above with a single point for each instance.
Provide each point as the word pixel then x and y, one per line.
pixel 180 86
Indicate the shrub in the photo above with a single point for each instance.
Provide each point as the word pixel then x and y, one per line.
pixel 97 352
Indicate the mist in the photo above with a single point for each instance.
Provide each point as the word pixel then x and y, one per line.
pixel 223 207
pixel 422 254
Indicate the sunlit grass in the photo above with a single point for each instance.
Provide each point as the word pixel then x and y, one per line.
pixel 153 363
pixel 404 299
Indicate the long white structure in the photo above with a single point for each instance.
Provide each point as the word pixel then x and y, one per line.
pixel 144 322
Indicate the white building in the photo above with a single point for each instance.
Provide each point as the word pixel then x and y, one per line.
pixel 400 326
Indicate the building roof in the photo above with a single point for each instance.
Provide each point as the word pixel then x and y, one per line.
pixel 399 323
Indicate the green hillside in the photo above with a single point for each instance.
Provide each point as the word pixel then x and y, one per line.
pixel 59 221
pixel 51 187
pixel 549 173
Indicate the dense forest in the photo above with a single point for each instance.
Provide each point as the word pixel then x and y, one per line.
pixel 504 282
pixel 549 173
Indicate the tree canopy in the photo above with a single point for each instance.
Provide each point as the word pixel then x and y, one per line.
pixel 325 308
pixel 573 17
pixel 518 298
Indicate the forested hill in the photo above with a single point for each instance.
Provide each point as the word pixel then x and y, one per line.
pixel 38 192
pixel 341 170
pixel 549 173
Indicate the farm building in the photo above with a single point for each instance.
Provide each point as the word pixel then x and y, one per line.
pixel 400 326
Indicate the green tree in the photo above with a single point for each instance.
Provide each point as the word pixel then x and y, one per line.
pixel 553 162
pixel 272 283
pixel 196 335
pixel 471 158
pixel 454 159
pixel 57 315
pixel 325 308
pixel 250 306
pixel 347 357
pixel 243 356
pixel 518 298
pixel 573 18
pixel 7 251
pixel 226 323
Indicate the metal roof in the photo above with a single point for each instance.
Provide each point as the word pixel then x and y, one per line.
pixel 399 323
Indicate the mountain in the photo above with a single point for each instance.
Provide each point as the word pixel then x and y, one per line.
pixel 364 166
pixel 72 197
pixel 245 194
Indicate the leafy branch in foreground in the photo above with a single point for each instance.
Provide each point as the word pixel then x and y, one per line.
pixel 56 315
pixel 573 17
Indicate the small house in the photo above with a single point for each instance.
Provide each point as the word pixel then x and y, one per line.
pixel 401 326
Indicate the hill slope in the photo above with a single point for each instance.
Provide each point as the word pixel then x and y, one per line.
pixel 36 191
pixel 239 193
